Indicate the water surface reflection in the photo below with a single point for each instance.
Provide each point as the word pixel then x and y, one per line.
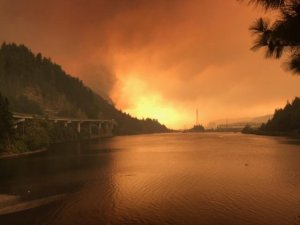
pixel 213 178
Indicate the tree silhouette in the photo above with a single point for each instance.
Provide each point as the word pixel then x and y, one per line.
pixel 286 119
pixel 6 123
pixel 281 36
pixel 269 4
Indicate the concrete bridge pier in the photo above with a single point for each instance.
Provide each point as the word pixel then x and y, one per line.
pixel 99 128
pixel 110 128
pixel 104 128
pixel 90 129
pixel 18 123
pixel 67 123
pixel 78 127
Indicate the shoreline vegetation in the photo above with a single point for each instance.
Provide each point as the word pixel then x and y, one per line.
pixel 271 133
pixel 285 122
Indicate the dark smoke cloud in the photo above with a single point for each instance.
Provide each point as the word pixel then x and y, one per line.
pixel 156 58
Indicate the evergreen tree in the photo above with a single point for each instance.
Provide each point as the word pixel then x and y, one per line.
pixel 283 35
pixel 286 119
pixel 6 123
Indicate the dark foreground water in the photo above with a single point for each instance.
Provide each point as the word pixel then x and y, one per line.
pixel 175 179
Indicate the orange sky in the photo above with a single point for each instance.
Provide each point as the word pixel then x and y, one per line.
pixel 159 58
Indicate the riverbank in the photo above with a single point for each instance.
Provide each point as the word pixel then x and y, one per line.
pixel 8 155
pixel 292 134
pixel 10 204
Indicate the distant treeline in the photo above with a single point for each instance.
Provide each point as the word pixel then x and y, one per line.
pixel 285 121
pixel 196 128
pixel 34 84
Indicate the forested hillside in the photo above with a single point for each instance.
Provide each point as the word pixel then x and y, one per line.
pixel 285 121
pixel 34 84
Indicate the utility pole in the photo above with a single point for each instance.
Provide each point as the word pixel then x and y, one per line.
pixel 197 117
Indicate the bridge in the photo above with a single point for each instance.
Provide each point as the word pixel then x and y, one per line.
pixel 237 126
pixel 103 126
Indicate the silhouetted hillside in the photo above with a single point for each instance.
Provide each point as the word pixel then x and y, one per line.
pixel 34 84
pixel 252 121
pixel 286 119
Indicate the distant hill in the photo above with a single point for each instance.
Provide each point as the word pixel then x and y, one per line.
pixel 196 128
pixel 241 122
pixel 261 119
pixel 34 84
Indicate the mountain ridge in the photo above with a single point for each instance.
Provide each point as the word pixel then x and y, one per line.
pixel 34 84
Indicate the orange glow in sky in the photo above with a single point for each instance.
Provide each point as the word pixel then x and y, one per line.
pixel 158 59
pixel 143 103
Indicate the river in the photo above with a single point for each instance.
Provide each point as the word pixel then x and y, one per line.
pixel 159 179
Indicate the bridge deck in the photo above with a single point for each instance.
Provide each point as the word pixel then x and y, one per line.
pixel 61 119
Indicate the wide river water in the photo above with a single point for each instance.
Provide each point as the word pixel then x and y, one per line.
pixel 161 179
